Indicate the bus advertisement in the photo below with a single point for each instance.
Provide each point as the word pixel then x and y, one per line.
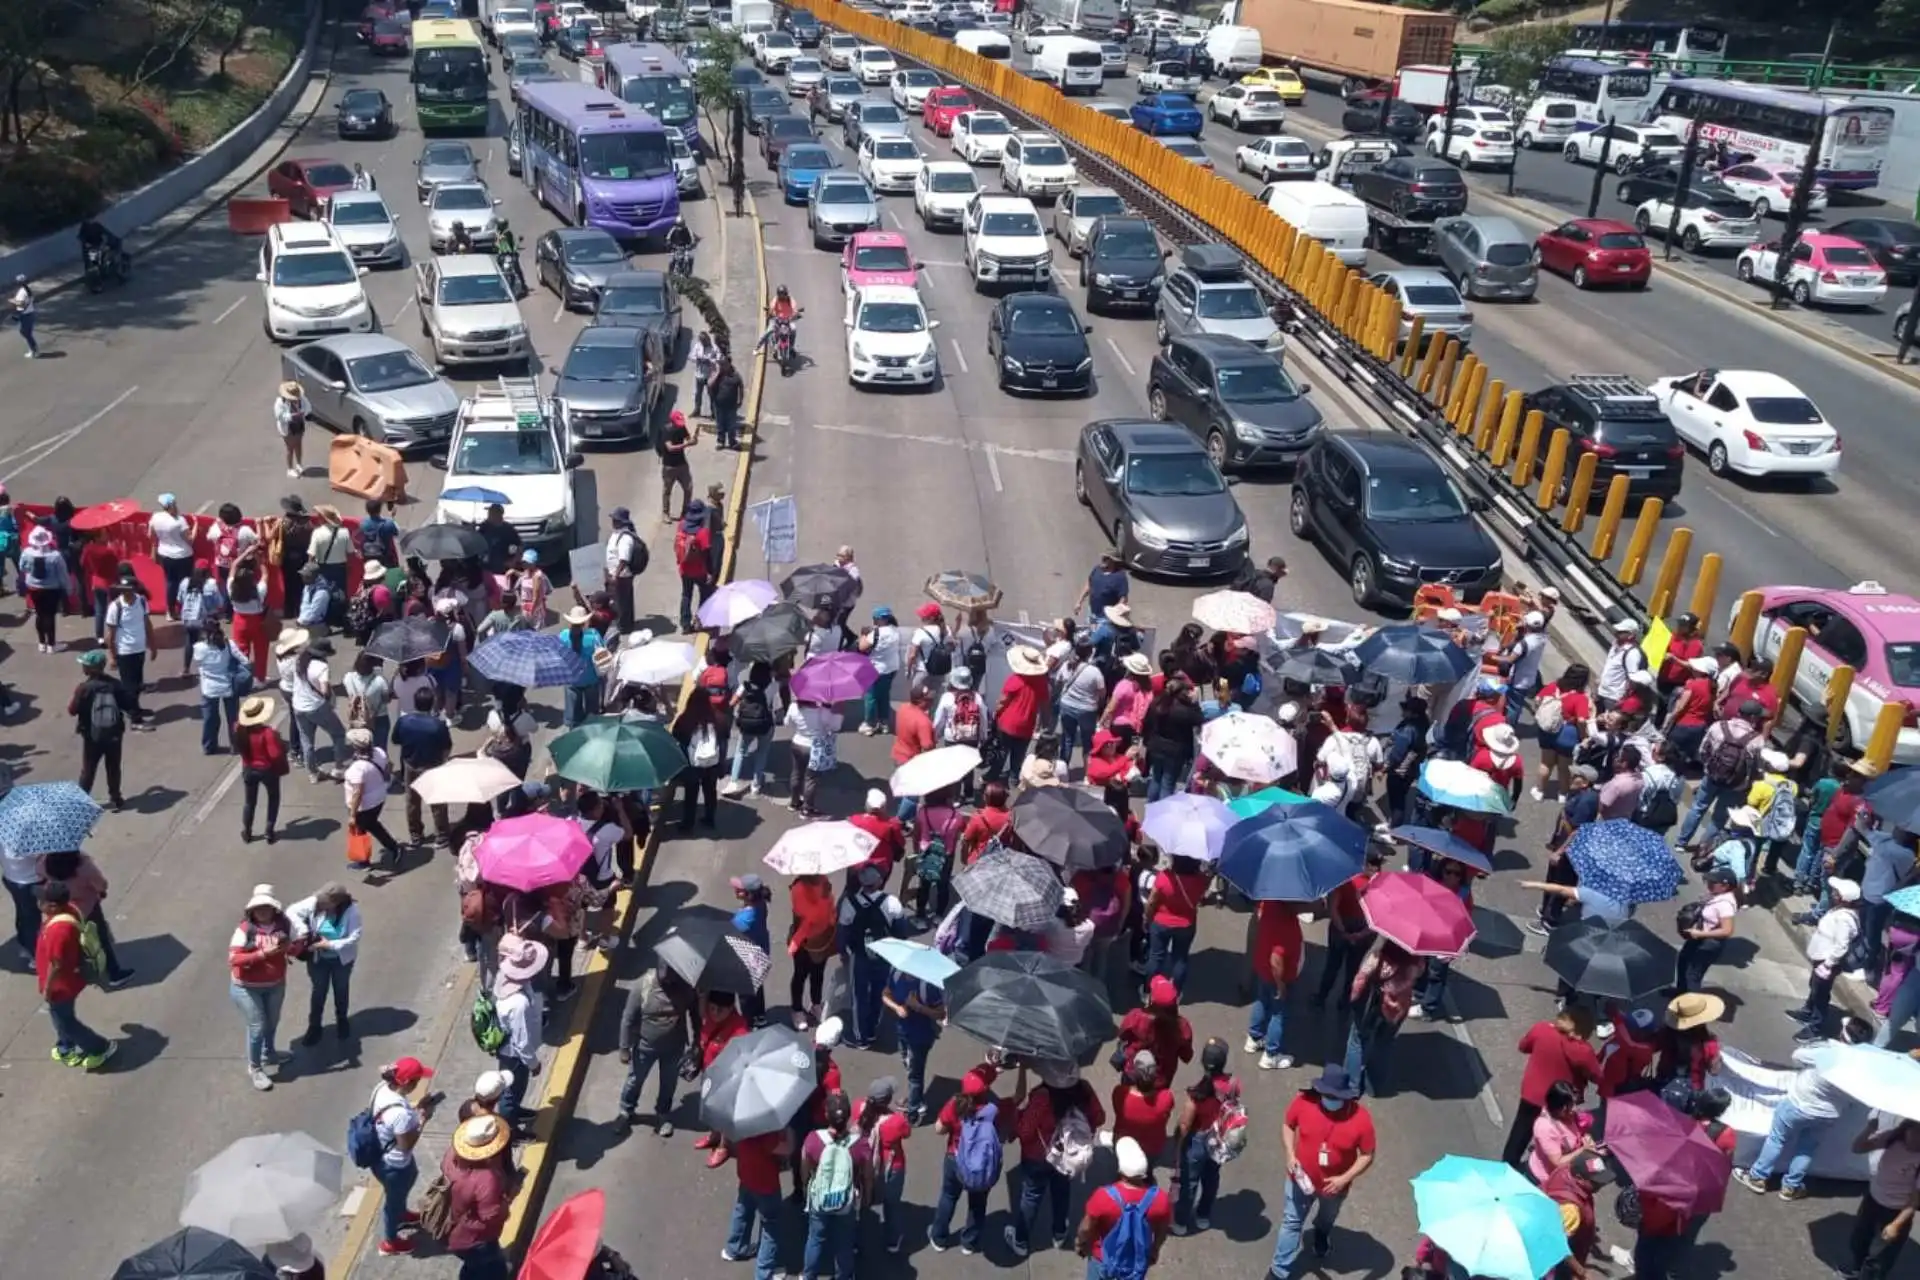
pixel 449 75
pixel 1776 126
pixel 656 79
pixel 596 161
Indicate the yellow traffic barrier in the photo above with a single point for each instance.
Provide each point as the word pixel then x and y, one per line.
pixel 1415 331
pixel 1430 362
pixel 1885 736
pixel 1490 410
pixel 1610 516
pixel 1786 663
pixel 1746 621
pixel 1673 565
pixel 1471 403
pixel 1449 404
pixel 1536 422
pixel 1580 493
pixel 1551 472
pixel 1839 685
pixel 1443 378
pixel 1348 302
pixel 1706 588
pixel 1641 542
pixel 1509 433
pixel 1389 325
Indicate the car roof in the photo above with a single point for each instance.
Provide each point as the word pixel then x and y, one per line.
pixel 840 178
pixel 355 346
pixel 948 166
pixel 1141 435
pixel 1004 203
pixel 608 335
pixel 1603 226
pixel 447 146
pixel 567 234
pixel 1758 382
pixel 468 185
pixel 356 196
pixel 1031 136
pixel 1493 227
pixel 1091 189
pixel 467 264
pixel 1381 451
pixel 1418 275
pixel 305 235
pixel 890 293
pixel 1829 240
pixel 1035 300
pixel 1222 348
pixel 636 276
pixel 879 239
pixel 983 115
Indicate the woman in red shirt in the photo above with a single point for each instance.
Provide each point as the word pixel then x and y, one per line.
pixel 1691 711
pixel 1556 1051
pixel 1023 701
pixel 990 822
pixel 1061 1092
pixel 1172 913
pixel 810 942
pixel 720 1025
pixel 886 1132
pixel 1576 719
pixel 263 762
pixel 1142 1105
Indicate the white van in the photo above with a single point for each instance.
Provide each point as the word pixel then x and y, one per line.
pixel 988 44
pixel 1234 51
pixel 1549 122
pixel 1071 64
pixel 1335 217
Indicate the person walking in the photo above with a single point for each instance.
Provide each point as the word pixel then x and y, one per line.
pixel 705 358
pixel 257 957
pixel 1885 1218
pixel 1056 1130
pixel 701 733
pixel 1800 1122
pixel 753 723
pixel 370 698
pixel 1564 714
pixel 60 968
pixel 1158 1028
pixel 398 1124
pixel 974 1131
pixel 1381 997
pixel 327 926
pixel 480 1183
pixel 100 707
pixel 424 742
pixel 867 913
pixel 1211 1128
pixel 691 542
pixel 583 696
pixel 521 1011
pixel 26 314
pixel 1143 1103
pixel 224 677
pixel 1713 918
pixel 86 888
pixel 886 1132
pixel 47 585
pixel 1557 1052
pixel 172 535
pixel 290 414
pixel 1126 1222
pixel 1729 762
pixel 812 938
pixel 758 1162
pixel 263 762
pixel 654 1035
pixel 836 1181
pixel 129 638
pixel 815 752
pixel 726 394
pixel 626 559
pixel 1277 948
pixel 1172 915
pixel 675 470
pixel 367 778
pixel 881 643
pixel 1329 1141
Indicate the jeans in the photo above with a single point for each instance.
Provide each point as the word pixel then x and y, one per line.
pixel 311 724
pixel 1267 1022
pixel 251 781
pixel 582 702
pixel 93 754
pixel 1871 945
pixel 1005 756
pixel 1708 796
pixel 215 712
pixel 876 704
pixel 1906 1003
pixel 483 1262
pixel 1299 1203
pixel 941 1229
pixel 1167 949
pixel 1039 1180
pixel 726 425
pixel 747 1206
pixel 1517 698
pixel 913 1059
pixel 518 1077
pixel 1199 1184
pixel 327 976
pixel 1431 991
pixel 1794 1137
pixel 26 915
pixel 1342 962
pixel 70 1035
pixel 689 589
pixel 1166 775
pixel 398 1185
pixel 868 978
pixel 101 599
pixel 1370 1040
pixel 260 1006
pixel 750 758
pixel 25 320
pixel 893 1188
pixel 830 1238
pixel 645 1058
pixel 1690 970
pixel 175 570
pixel 1076 728
pixel 1809 873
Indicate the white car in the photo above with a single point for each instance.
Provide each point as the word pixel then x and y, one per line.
pixel 803 74
pixel 998 21
pixel 873 64
pixel 1035 164
pixel 464 204
pixel 980 137
pixel 942 191
pixel 362 222
pixel 1826 268
pixel 1624 144
pixel 889 338
pixel 773 50
pixel 467 313
pixel 512 22
pixel 890 163
pixel 1031 38
pixel 686 165
pixel 1476 144
pixel 1282 156
pixel 1168 76
pixel 511 439
pixel 838 49
pixel 1005 242
pixel 1470 113
pixel 1246 106
pixel 1750 421
pixel 311 284
pixel 1769 188
pixel 1108 107
pixel 911 86
pixel 1704 222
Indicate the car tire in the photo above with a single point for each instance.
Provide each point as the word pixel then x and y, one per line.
pixel 1217 451
pixel 1239 163
pixel 1622 163
pixel 1298 518
pixel 1743 270
pixel 1717 458
pixel 1156 404
pixel 1801 293
pixel 1579 277
pixel 1690 239
pixel 1361 582
pixel 1160 334
pixel 1526 142
pixel 1080 486
pixel 1570 153
pixel 1762 209
pixel 359 428
pixel 1642 222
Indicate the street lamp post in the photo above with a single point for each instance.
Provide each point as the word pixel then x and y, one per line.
pixel 1600 168
pixel 1797 215
pixel 1688 159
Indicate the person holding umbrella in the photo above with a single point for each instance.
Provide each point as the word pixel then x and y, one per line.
pixel 1432 991
pixel 1172 915
pixel 1056 1131
pixel 1277 948
pixel 1381 996
pixel 919 1009
pixel 720 1025
pixel 1330 1143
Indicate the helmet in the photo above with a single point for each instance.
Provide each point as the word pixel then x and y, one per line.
pixel 459 228
pixel 503 224
pixel 781 292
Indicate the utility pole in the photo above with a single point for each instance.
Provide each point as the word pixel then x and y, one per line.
pixel 1797 215
pixel 1688 160
pixel 1600 168
pixel 1453 99
pixel 1606 27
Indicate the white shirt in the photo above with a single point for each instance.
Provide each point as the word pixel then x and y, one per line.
pixel 885 650
pixel 521 1013
pixel 284 409
pixel 311 685
pixel 925 640
pixel 1832 937
pixel 330 544
pixel 889 905
pixel 393 1117
pixel 823 640
pixel 404 687
pixel 127 617
pixel 1068 943
pixel 619 551
pixel 1810 1093
pixel 367 776
pixel 23 300
pixel 171 536
pixel 1526 664
pixel 1621 660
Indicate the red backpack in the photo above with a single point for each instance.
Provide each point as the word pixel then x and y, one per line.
pixel 690 553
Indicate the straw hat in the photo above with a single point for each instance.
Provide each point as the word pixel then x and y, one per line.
pixel 1137 664
pixel 522 962
pixel 290 641
pixel 255 711
pixel 1120 615
pixel 1501 740
pixel 576 617
pixel 1695 1009
pixel 481 1138
pixel 1025 660
pixel 289 390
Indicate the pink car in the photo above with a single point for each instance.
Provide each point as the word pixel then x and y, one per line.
pixel 1865 627
pixel 877 257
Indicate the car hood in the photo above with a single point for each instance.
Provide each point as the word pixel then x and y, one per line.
pixel 892 167
pixel 885 129
pixel 893 344
pixel 1437 544
pixel 1256 330
pixel 1064 350
pixel 475 219
pixel 804 177
pixel 1144 267
pixel 1289 417
pixel 528 497
pixel 1014 246
pixel 428 400
pixel 436 175
pixel 487 315
pixel 366 233
pixel 840 214
pixel 1211 517
pixel 597 396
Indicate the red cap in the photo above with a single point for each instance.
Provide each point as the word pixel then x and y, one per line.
pixel 677 418
pixel 973 1083
pixel 928 611
pixel 204 566
pixel 409 1072
pixel 1161 993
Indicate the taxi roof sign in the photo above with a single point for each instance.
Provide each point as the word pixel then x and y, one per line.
pixel 1867 588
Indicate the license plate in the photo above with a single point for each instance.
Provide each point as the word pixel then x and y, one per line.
pixel 893 375
pixel 1132 293
pixel 1049 384
pixel 1623 266
pixel 1636 473
pixel 1198 562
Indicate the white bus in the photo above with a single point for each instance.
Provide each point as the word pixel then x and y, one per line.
pixel 1685 47
pixel 1601 91
pixel 1776 126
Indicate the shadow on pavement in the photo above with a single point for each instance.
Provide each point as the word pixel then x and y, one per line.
pixel 153 959
pixel 139 1045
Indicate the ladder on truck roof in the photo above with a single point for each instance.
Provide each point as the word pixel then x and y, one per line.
pixel 518 398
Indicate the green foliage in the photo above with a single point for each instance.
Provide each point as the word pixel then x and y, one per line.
pixel 1514 57
pixel 123 147
pixel 712 85
pixel 42 192
pixel 1505 10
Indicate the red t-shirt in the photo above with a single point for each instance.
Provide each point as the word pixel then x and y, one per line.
pixel 59 944
pixel 1680 651
pixel 1552 1057
pixel 1726 1139
pixel 1021 700
pixel 757 1166
pixel 1507 775
pixel 1838 817
pixel 892 837
pixel 1326 1143
pixel 1180 898
pixel 1575 705
pixel 1104 1212
pixel 715 1035
pixel 982 827
pixel 1744 688
pixel 1037 1120
pixel 912 732
pixel 1278 930
pixel 1141 1118
pixel 1344 902
pixel 99 564
pixel 1207 1110
pixel 1658 1218
pixel 889 1138
pixel 830 1084
pixel 1699 708
pixel 950 1120
pixel 1170 1040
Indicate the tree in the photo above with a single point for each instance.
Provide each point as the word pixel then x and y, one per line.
pixel 26 27
pixel 1515 56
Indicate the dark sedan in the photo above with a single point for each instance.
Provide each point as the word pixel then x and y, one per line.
pixel 1159 498
pixel 1037 343
pixel 1658 179
pixel 576 42
pixel 610 383
pixel 366 113
pixel 1123 264
pixel 776 132
pixel 804 28
pixel 763 102
pixel 1235 397
pixel 577 262
pixel 641 300
pixel 1893 242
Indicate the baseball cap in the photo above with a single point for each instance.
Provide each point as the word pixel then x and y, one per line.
pixel 408 1072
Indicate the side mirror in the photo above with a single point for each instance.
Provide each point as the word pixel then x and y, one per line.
pixel 1306 388
pixel 1086 328
pixel 1476 503
pixel 575 461
pixel 260 277
pixel 933 324
pixel 438 462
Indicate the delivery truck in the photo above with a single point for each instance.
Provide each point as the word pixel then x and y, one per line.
pixel 1347 45
pixel 1093 16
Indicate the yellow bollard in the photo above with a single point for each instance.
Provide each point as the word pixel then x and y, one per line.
pixel 1430 363
pixel 1457 386
pixel 1551 472
pixel 1705 588
pixel 1467 406
pixel 1746 621
pixel 1610 517
pixel 1641 541
pixel 1523 462
pixel 1673 566
pixel 1580 494
pixel 1509 432
pixel 1389 326
pixel 1786 663
pixel 1839 685
pixel 1349 303
pixel 1885 736
pixel 1490 410
pixel 1411 355
pixel 1444 377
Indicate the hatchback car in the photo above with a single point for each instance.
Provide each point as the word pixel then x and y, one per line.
pixel 1247 107
pixel 373 385
pixel 576 263
pixel 610 383
pixel 1284 81
pixel 1038 344
pixel 391 38
pixel 1893 242
pixel 365 113
pixel 1596 251
pixel 306 184
pixel 1489 257
pixel 800 164
pixel 1751 421
pixel 1827 269
pixel 943 106
pixel 869 118
pixel 1864 627
pixel 1236 399
pixel 441 163
pixel 1159 498
pixel 876 258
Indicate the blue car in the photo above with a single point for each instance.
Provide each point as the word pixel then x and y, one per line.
pixel 1162 113
pixel 800 164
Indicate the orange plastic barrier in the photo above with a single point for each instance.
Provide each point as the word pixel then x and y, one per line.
pixel 365 469
pixel 249 217
pixel 1430 599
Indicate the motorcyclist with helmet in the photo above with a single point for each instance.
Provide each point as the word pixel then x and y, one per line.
pixel 782 310
pixel 680 243
pixel 101 252
pixel 506 252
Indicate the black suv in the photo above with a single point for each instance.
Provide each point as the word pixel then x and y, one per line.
pixel 1235 397
pixel 1123 264
pixel 1384 508
pixel 804 28
pixel 1658 178
pixel 1405 122
pixel 1413 187
pixel 1618 421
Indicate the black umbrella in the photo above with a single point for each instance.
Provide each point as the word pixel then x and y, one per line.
pixel 1622 961
pixel 772 635
pixel 1028 1003
pixel 712 955
pixel 409 639
pixel 444 542
pixel 1317 666
pixel 821 586
pixel 193 1254
pixel 1895 797
pixel 1071 828
pixel 1414 655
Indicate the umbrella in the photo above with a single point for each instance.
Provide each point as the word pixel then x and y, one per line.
pixel 833 677
pixel 1624 861
pixel 959 590
pixel 45 817
pixel 1238 612
pixel 734 603
pixel 1316 666
pixel 532 852
pixel 1414 655
pixel 193 1254
pixel 1185 825
pixel 532 660
pixel 931 770
pixel 1667 1153
pixel 1624 961
pixel 612 755
pixel 1249 747
pixel 1260 801
pixel 564 1246
pixel 1418 912
pixel 1906 901
pixel 1879 1078
pixel 821 586
pixel 706 950
pixel 1292 852
pixel 475 493
pixel 758 1083
pixel 407 640
pixel 1489 1219
pixel 468 780
pixel 1895 796
pixel 1009 888
pixel 915 959
pixel 1029 1003
pixel 1461 786
pixel 444 542
pixel 820 849
pixel 773 635
pixel 1073 829
pixel 1445 844
pixel 102 514
pixel 270 1187
pixel 656 662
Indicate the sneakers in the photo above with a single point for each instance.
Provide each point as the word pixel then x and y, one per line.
pixel 754 792
pixel 1012 1239
pixel 1802 1015
pixel 1252 1045
pixel 623 1123
pixel 1858 975
pixel 1538 928
pixel 866 731
pixel 391 1247
pixel 1746 1179
pixel 938 1245
pixel 727 1256
pixel 1809 1034
pixel 67 1057
pixel 1537 794
pixel 1793 1193
pixel 664 1128
pixel 258 1076
pixel 1275 1061
pixel 1203 1224
pixel 1322 1243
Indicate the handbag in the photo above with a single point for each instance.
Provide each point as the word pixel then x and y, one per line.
pixel 703 750
pixel 359 847
pixel 436 1208
pixel 824 755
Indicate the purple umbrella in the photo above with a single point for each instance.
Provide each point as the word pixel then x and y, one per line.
pixel 1667 1154
pixel 734 603
pixel 834 677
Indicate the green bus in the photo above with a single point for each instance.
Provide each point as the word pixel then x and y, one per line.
pixel 450 80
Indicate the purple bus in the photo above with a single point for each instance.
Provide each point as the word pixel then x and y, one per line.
pixel 597 161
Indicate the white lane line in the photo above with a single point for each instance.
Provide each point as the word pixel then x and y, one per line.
pixel 402 310
pixel 959 354
pixel 47 448
pixel 560 312
pixel 894 218
pixel 993 468
pixel 940 262
pixel 945 442
pixel 1121 356
pixel 231 308
pixel 1747 515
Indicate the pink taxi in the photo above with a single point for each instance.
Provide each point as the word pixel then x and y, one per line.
pixel 1865 627
pixel 877 257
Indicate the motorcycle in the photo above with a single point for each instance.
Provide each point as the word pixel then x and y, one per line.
pixel 783 343
pixel 107 265
pixel 510 268
pixel 682 262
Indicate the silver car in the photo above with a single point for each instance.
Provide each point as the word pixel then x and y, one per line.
pixel 1208 294
pixel 468 313
pixel 839 205
pixel 803 74
pixel 1075 210
pixel 363 223
pixel 1426 292
pixel 833 97
pixel 441 163
pixel 468 203
pixel 373 385
pixel 1488 257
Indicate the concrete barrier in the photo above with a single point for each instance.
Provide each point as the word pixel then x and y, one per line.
pixel 170 190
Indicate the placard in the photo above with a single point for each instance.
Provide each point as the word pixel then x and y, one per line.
pixel 588 568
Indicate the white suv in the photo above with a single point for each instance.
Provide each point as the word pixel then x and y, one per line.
pixel 1624 144
pixel 1705 223
pixel 1005 243
pixel 311 283
pixel 979 137
pixel 873 64
pixel 1035 164
pixel 942 191
pixel 889 338
pixel 516 443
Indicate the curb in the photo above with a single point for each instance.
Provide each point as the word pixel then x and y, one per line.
pixel 1855 996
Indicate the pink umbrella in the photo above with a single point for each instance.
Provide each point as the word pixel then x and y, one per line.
pixel 1420 914
pixel 834 677
pixel 532 852
pixel 735 602
pixel 1667 1154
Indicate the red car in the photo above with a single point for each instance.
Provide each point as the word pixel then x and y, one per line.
pixel 370 17
pixel 943 106
pixel 391 36
pixel 307 184
pixel 1596 251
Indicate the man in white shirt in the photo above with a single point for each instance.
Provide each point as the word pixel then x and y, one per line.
pixel 25 314
pixel 522 1014
pixel 1622 660
pixel 1800 1120
pixel 621 544
pixel 172 547
pixel 129 636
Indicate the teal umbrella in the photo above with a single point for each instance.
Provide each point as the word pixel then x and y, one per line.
pixel 1259 802
pixel 613 755
pixel 1490 1220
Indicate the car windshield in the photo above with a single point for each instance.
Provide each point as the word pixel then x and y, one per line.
pixel 896 149
pixel 467 291
pixel 505 453
pixel 390 28
pixel 1232 302
pixel 789 127
pixel 1432 295
pixel 462 199
pixel 1188 148
pixel 1046 153
pixel 361 100
pixel 1043 321
pixel 766 101
pixel 1264 383
pixel 808 158
pixel 987 124
pixel 1509 255
pixel 882 257
pixel 582 250
pixel 892 317
pixel 803 67
pixel 1847 255
pixel 1903 664
pixel 1497 135
pixel 1561 111
pixel 530 68
pixel 1289 147
pixel 1785 411
pixel 635 300
pixel 388 371
pixel 330 175
pixel 774 40
pixel 622 156
pixel 1136 242
pixel 1621 240
pixel 1405 497
pixel 1173 475
pixel 951 180
pixel 359 213
pixel 1437 177
pixel 844 88
pixel 313 270
pixel 921 79
pixel 1658 139
pixel 875 55
pixel 951 101
pixel 446 155
pixel 663 96
pixel 1010 224
pixel 843 193
pixel 602 362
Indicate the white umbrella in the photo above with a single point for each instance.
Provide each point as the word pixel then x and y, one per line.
pixel 468 780
pixel 656 662
pixel 270 1187
pixel 1880 1078
pixel 931 770
pixel 1238 612
pixel 820 849
pixel 1249 747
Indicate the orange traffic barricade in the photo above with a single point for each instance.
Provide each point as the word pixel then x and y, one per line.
pixel 1430 599
pixel 251 217
pixel 365 469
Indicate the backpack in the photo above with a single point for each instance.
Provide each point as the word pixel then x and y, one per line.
pixel 978 1154
pixel 1227 1139
pixel 939 659
pixel 1549 714
pixel 869 921
pixel 105 721
pixel 93 954
pixel 931 865
pixel 360 615
pixel 754 715
pixel 485 1023
pixel 1128 1245
pixel 1782 813
pixel 690 553
pixel 1071 1150
pixel 976 660
pixel 1657 809
pixel 364 1144
pixel 830 1190
pixel 1729 763
pixel 1626 1207
pixel 226 548
pixel 965 725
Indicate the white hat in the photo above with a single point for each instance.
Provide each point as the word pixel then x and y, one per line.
pixel 263 897
pixel 1549 593
pixel 1745 816
pixel 876 799
pixel 490 1085
pixel 1137 664
pixel 635 639
pixel 1288 713
pixel 1535 619
pixel 1844 890
pixel 372 569
pixel 521 961
pixel 829 1034
pixel 1775 760
pixel 1448 615
pixel 1069 897
pixel 292 1257
pixel 1501 740
pixel 1133 1161
pixel 1704 666
pixel 1337 765
pixel 1626 627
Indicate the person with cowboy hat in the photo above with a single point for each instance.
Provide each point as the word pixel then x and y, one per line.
pixel 313 711
pixel 1113 633
pixel 257 957
pixel 1739 846
pixel 521 1011
pixel 316 599
pixel 1688 1050
pixel 287 648
pixel 1018 712
pixel 480 1185
pixel 582 698
pixel 1329 1141
pixel 290 414
pixel 101 707
pixel 263 762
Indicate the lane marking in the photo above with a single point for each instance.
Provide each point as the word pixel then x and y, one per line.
pixel 47 448
pixel 1121 356
pixel 894 218
pixel 993 468
pixel 941 262
pixel 945 442
pixel 560 312
pixel 231 308
pixel 1753 519
pixel 403 308
pixel 959 355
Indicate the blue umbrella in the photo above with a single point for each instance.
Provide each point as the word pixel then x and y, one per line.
pixel 45 817
pixel 474 493
pixel 1624 861
pixel 1292 852
pixel 1444 843
pixel 1906 901
pixel 1458 785
pixel 532 660
pixel 1189 826
pixel 1490 1219
pixel 1413 654
pixel 1895 796
pixel 915 959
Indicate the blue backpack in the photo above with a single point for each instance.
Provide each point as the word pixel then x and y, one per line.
pixel 1127 1247
pixel 978 1154
pixel 364 1147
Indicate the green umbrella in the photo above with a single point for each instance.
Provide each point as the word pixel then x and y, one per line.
pixel 1261 801
pixel 610 755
